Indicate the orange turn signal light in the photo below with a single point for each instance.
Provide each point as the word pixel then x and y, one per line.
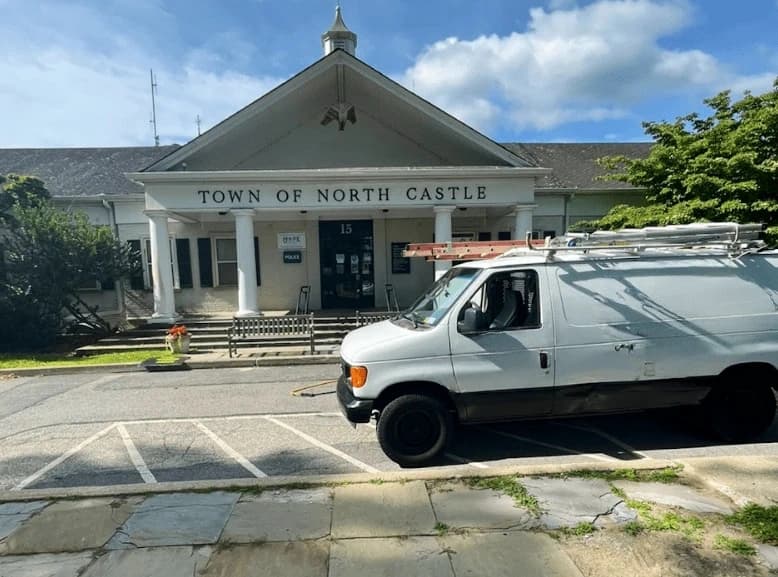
pixel 358 376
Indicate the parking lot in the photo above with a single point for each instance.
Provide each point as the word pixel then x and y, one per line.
pixel 244 423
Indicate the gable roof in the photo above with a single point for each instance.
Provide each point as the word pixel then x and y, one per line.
pixel 83 171
pixel 574 165
pixel 273 117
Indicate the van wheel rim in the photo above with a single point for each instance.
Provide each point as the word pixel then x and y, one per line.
pixel 417 431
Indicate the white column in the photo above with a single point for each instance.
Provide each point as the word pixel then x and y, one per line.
pixel 442 234
pixel 247 267
pixel 161 268
pixel 523 224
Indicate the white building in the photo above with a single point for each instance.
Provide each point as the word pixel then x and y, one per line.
pixel 320 183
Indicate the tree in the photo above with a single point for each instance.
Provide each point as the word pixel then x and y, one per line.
pixel 50 255
pixel 723 167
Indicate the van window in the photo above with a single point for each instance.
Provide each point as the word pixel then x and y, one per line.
pixel 432 306
pixel 509 300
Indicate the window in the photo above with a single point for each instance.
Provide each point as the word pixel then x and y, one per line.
pixel 542 234
pixel 148 279
pixel 508 301
pixel 226 254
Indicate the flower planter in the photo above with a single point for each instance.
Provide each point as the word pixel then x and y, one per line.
pixel 179 344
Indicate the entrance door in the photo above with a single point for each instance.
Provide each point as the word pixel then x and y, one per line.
pixel 346 253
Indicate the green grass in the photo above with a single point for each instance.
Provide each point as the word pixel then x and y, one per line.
pixel 581 530
pixel 737 546
pixel 634 528
pixel 508 486
pixel 760 522
pixel 42 360
pixel 666 475
pixel 441 528
pixel 687 525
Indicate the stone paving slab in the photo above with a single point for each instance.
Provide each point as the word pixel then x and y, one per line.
pixel 69 526
pixel 674 495
pixel 280 516
pixel 176 519
pixel 461 507
pixel 298 559
pixel 742 479
pixel 508 555
pixel 384 510
pixel 14 514
pixel 568 502
pixel 390 557
pixel 769 555
pixel 46 565
pixel 162 562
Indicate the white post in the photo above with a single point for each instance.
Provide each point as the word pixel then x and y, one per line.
pixel 247 268
pixel 161 268
pixel 442 234
pixel 523 223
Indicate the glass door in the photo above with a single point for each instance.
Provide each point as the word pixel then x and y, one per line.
pixel 346 258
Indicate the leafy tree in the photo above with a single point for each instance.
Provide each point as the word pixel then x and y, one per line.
pixel 50 254
pixel 721 167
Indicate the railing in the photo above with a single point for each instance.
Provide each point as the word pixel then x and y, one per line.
pixel 253 330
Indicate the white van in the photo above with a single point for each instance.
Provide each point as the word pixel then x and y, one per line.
pixel 573 330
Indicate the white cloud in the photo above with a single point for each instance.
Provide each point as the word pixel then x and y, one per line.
pixel 92 89
pixel 582 64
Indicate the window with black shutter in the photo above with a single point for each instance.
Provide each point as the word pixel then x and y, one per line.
pixel 204 259
pixel 184 263
pixel 136 280
pixel 256 260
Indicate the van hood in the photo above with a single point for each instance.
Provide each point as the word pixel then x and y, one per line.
pixel 386 341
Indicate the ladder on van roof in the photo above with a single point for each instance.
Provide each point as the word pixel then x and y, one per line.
pixel 733 237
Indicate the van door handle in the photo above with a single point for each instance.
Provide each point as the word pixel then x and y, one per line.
pixel 624 346
pixel 543 360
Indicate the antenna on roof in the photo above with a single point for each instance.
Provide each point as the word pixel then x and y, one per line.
pixel 154 107
pixel 197 121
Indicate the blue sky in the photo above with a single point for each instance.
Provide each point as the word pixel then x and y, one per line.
pixel 75 73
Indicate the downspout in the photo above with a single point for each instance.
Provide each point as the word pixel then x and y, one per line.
pixel 111 208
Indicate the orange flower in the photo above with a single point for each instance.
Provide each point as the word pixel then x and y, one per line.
pixel 177 331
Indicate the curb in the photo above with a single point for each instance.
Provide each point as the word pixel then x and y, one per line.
pixel 310 481
pixel 215 364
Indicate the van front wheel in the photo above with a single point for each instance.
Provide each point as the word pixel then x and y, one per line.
pixel 414 429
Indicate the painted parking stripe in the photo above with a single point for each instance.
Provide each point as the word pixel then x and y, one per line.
pixel 464 461
pixel 230 418
pixel 135 456
pixel 606 436
pixel 66 455
pixel 324 446
pixel 550 446
pixel 240 459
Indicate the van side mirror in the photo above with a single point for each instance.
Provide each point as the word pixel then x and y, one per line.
pixel 474 321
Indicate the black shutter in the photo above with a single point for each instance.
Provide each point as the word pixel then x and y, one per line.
pixel 184 262
pixel 204 258
pixel 256 260
pixel 136 280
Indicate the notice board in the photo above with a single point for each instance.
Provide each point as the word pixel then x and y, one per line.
pixel 400 263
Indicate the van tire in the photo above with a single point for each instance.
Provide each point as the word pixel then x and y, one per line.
pixel 414 429
pixel 736 414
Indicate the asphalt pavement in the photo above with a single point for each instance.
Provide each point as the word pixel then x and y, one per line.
pixel 242 423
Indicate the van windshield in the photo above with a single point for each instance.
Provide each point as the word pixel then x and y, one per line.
pixel 432 306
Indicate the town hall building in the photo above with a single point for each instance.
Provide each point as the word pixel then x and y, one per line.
pixel 320 183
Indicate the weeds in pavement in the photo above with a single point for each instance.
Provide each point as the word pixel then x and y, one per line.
pixel 666 475
pixel 633 528
pixel 737 546
pixel 441 528
pixel 509 486
pixel 760 522
pixel 689 526
pixel 581 530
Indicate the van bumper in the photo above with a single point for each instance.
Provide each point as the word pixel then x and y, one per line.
pixel 354 409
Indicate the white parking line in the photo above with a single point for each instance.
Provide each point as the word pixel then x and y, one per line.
pixel 551 446
pixel 606 436
pixel 66 455
pixel 464 461
pixel 135 457
pixel 229 418
pixel 324 446
pixel 242 461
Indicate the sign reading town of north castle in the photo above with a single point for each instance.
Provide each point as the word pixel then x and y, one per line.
pixel 397 193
